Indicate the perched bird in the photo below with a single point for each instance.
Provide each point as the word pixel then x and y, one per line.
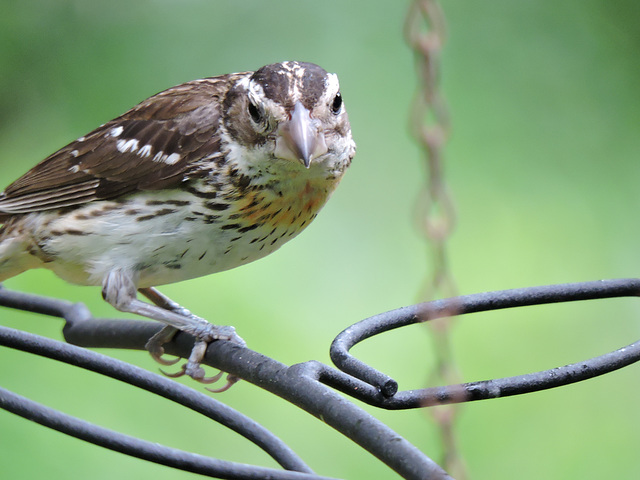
pixel 200 178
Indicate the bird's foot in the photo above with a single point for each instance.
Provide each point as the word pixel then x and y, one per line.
pixel 155 348
pixel 205 333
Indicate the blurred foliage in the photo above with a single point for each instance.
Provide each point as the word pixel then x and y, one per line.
pixel 543 166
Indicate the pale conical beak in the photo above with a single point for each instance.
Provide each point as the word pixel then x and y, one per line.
pixel 300 138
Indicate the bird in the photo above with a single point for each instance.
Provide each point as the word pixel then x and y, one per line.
pixel 200 178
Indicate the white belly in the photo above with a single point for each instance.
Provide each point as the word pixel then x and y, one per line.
pixel 159 243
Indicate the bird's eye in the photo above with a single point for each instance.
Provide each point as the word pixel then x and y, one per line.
pixel 255 113
pixel 336 105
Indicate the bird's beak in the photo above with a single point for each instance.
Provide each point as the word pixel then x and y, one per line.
pixel 300 138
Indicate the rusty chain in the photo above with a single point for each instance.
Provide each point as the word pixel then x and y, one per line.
pixel 429 122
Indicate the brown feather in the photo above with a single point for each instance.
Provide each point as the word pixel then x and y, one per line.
pixel 182 120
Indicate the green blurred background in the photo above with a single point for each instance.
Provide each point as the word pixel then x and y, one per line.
pixel 542 165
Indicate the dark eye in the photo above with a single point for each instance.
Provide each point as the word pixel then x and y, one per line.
pixel 255 113
pixel 336 105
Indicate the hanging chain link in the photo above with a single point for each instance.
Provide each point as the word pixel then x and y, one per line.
pixel 425 33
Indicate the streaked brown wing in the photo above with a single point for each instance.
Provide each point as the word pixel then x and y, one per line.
pixel 152 146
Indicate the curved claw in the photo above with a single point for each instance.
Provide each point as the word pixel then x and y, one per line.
pixel 231 380
pixel 195 370
pixel 177 374
pixel 210 380
pixel 162 361
pixel 196 376
pixel 154 345
pixel 204 333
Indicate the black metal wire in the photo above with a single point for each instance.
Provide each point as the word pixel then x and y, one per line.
pixel 136 447
pixel 477 303
pixel 154 383
pixel 309 385
pixel 298 384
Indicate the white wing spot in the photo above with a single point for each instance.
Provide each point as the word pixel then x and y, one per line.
pixel 172 159
pixel 74 168
pixel 116 131
pixel 125 146
pixel 161 157
pixel 145 151
pixel 74 153
pixel 81 139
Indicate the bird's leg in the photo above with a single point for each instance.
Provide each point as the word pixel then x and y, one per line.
pixel 154 345
pixel 119 289
pixel 165 302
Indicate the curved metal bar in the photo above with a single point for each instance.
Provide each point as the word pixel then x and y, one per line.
pixel 477 303
pixel 303 385
pixel 307 385
pixel 135 447
pixel 298 384
pixel 517 385
pixel 154 383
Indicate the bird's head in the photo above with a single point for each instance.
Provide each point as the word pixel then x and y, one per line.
pixel 290 112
